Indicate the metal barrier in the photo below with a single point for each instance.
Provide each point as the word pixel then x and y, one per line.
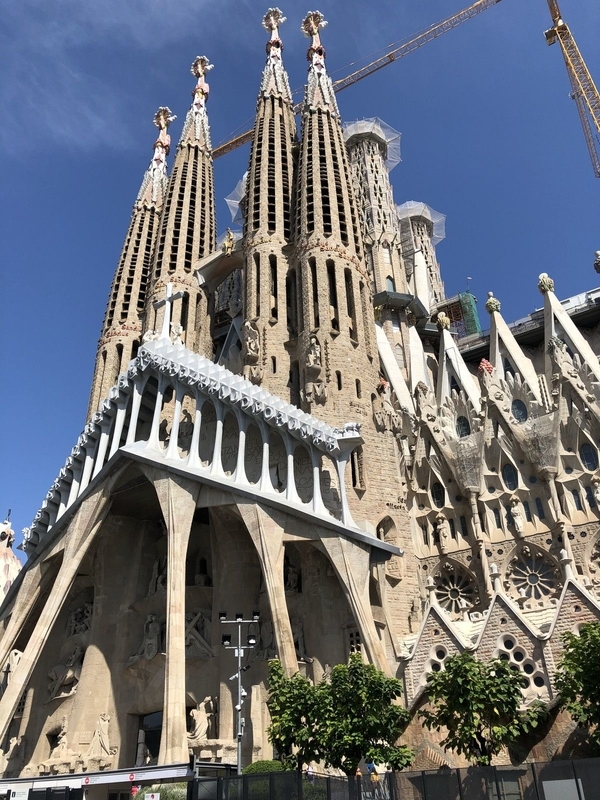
pixel 553 780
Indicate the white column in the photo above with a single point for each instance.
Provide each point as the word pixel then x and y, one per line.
pixel 193 458
pixel 291 495
pixel 173 451
pixel 90 449
pixel 340 464
pixel 240 467
pixel 119 423
pixel 102 446
pixel 135 411
pixel 216 467
pixel 153 440
pixel 265 476
pixel 317 501
pixel 77 470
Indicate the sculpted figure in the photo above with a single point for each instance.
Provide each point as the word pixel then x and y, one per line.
pixel 266 649
pixel 64 678
pixel 196 636
pixel 150 646
pixel 251 340
pixel 443 528
pixel 313 358
pixel 100 745
pixel 596 490
pixel 228 242
pixel 517 514
pixel 201 717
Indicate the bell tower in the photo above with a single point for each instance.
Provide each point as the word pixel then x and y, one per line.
pixel 122 327
pixel 270 288
pixel 188 226
pixel 337 351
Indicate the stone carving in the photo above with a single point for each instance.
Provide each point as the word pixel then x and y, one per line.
pixel 251 350
pixel 492 303
pixel 315 392
pixel 387 416
pixel 100 745
pixel 545 283
pixel 298 635
pixel 266 642
pixel 313 358
pixel 197 644
pixel 443 321
pixel 455 588
pixel 64 678
pixel 176 333
pixel 203 720
pixel 151 645
pixel 228 242
pixel 150 336
pixel 531 571
pixel 9 667
pixel 517 515
pixel 10 753
pixel 596 490
pixel 158 581
pixel 80 620
pixel 442 527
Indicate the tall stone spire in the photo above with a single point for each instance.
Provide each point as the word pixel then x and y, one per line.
pixel 188 227
pixel 270 287
pixel 122 327
pixel 337 354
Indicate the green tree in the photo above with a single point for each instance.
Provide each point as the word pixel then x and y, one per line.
pixel 479 705
pixel 354 715
pixel 297 709
pixel 577 679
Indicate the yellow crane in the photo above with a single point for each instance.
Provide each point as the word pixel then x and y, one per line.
pixel 584 92
pixel 393 55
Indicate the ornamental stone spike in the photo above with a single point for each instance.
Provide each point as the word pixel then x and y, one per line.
pixel 545 283
pixel 162 119
pixel 272 20
pixel 492 304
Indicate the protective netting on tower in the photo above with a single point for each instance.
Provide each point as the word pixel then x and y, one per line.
pixel 413 208
pixel 376 127
pixel 234 200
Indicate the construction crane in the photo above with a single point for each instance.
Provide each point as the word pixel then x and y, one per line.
pixel 389 58
pixel 584 92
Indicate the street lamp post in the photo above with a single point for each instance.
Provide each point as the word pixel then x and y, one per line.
pixel 239 652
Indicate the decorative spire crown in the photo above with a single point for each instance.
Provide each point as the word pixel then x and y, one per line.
pixel 162 119
pixel 195 127
pixel 312 23
pixel 492 304
pixel 271 22
pixel 274 79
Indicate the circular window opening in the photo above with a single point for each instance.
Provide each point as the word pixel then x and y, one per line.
pixel 509 644
pixel 504 657
pixel 454 594
pixel 441 654
pixel 519 410
pixel 533 578
pixel 436 632
pixel 577 609
pixel 435 667
pixel 528 669
pixel 518 655
pixel 539 681
pixel 525 683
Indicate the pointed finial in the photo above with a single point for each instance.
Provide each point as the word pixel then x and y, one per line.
pixel 162 119
pixel 430 586
pixel 199 69
pixel 443 321
pixel 272 20
pixel 312 23
pixel 496 579
pixel 545 283
pixel 492 303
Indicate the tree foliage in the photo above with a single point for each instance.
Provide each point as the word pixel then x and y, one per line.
pixel 479 705
pixel 262 767
pixel 354 715
pixel 577 679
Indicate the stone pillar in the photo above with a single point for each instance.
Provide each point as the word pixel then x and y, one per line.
pixel 78 538
pixel 267 535
pixel 351 563
pixel 29 591
pixel 178 497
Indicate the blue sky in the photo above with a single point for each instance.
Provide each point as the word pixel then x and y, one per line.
pixel 490 138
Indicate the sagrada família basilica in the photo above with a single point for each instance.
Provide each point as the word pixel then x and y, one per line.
pixel 298 425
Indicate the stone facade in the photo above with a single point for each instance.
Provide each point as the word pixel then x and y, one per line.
pixel 290 428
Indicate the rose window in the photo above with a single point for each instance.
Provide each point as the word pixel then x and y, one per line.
pixel 533 575
pixel 455 589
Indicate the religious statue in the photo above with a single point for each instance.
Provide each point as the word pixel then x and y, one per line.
pixel 266 642
pixel 251 340
pixel 9 667
pixel 150 646
pixel 5 756
pixel 100 744
pixel 158 581
pixel 298 635
pixel 201 718
pixel 185 430
pixel 596 490
pixel 64 678
pixel 80 620
pixel 517 514
pixel 150 336
pixel 228 242
pixel 196 636
pixel 313 358
pixel 443 530
pixel 291 577
pixel 176 333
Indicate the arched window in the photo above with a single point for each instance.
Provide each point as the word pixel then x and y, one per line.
pixel 577 500
pixel 463 427
pixel 588 456
pixel 510 477
pixel 590 497
pixel 519 410
pixel 390 284
pixel 497 519
pixel 438 494
pixel 539 507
